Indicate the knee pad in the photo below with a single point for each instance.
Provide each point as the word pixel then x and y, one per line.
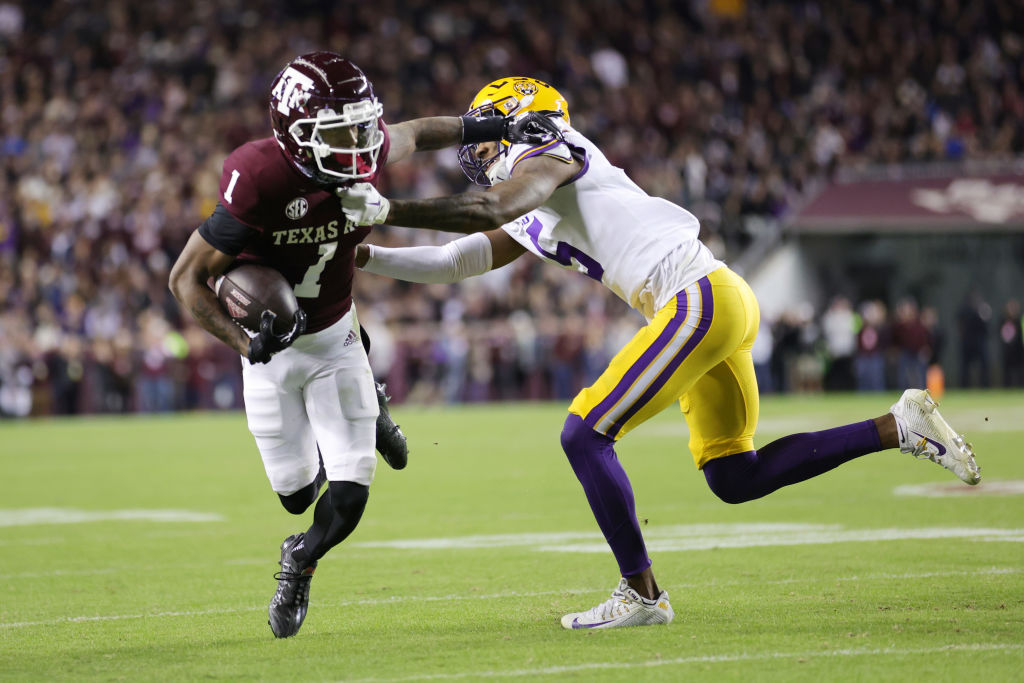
pixel 348 498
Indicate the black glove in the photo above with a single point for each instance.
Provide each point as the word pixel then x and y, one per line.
pixel 265 344
pixel 531 128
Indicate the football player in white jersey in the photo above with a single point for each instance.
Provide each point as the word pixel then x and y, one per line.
pixel 563 201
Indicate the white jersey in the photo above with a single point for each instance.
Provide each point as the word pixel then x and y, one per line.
pixel 643 248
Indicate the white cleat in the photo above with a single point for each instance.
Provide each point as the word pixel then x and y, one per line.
pixel 924 434
pixel 624 608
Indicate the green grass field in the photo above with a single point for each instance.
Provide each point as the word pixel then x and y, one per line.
pixel 465 561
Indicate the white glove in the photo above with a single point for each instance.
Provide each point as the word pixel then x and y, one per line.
pixel 363 205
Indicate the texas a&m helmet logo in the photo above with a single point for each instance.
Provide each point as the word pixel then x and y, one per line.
pixel 292 91
pixel 296 208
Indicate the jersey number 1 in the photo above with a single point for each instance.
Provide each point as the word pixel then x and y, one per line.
pixel 309 288
pixel 231 184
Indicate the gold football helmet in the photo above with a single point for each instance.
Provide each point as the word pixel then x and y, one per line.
pixel 516 94
pixel 508 97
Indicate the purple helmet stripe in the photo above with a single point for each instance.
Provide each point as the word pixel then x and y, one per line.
pixel 637 369
pixel 703 325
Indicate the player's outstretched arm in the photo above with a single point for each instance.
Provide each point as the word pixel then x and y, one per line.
pixel 198 262
pixel 469 212
pixel 452 262
pixel 420 135
pixel 438 132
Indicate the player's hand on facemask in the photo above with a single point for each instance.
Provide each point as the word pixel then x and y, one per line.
pixel 532 128
pixel 363 205
pixel 265 344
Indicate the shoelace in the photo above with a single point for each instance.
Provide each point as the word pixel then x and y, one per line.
pixel 608 607
pixel 301 584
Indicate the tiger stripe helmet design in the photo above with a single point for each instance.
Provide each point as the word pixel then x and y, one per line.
pixel 508 97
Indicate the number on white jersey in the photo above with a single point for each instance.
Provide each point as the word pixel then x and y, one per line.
pixel 309 288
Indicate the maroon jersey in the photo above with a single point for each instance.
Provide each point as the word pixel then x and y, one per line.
pixel 272 215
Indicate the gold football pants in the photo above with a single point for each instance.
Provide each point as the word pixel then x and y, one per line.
pixel 696 351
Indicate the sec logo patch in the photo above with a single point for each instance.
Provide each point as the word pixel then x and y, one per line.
pixel 296 208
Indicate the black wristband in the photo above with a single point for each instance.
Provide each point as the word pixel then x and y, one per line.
pixel 482 129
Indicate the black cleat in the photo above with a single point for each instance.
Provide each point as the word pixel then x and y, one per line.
pixel 390 440
pixel 289 604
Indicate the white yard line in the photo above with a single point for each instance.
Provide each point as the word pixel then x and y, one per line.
pixel 693 537
pixel 705 659
pixel 36 516
pixel 497 596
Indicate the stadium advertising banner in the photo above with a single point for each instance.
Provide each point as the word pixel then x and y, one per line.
pixel 990 203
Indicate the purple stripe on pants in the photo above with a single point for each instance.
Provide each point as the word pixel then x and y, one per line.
pixel 703 325
pixel 595 415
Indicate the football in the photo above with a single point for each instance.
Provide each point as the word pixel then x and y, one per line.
pixel 248 290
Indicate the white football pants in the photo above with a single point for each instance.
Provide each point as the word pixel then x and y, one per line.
pixel 318 391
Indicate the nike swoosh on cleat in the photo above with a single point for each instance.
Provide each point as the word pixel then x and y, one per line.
pixel 576 623
pixel 942 449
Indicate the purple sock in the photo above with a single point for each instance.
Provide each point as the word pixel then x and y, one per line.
pixel 745 476
pixel 609 492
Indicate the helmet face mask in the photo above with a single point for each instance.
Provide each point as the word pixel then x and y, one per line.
pixel 507 97
pixel 340 145
pixel 325 118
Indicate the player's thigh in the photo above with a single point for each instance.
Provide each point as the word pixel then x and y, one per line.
pixel 657 366
pixel 722 405
pixel 341 402
pixel 278 422
pixel 721 409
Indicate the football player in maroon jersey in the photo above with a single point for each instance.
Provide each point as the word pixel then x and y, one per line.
pixel 317 402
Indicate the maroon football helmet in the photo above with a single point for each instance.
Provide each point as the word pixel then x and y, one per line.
pixel 325 117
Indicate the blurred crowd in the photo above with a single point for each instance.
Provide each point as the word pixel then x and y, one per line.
pixel 868 347
pixel 116 118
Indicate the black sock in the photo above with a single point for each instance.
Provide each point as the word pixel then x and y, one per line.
pixel 335 517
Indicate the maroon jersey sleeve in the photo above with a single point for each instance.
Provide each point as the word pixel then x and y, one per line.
pixel 241 183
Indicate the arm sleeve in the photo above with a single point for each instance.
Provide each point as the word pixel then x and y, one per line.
pixel 452 262
pixel 225 232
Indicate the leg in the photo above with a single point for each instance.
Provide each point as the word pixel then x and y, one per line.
pixel 299 502
pixel 745 476
pixel 279 422
pixel 337 397
pixel 721 409
pixel 657 366
pixel 610 494
pixel 391 442
pixel 277 419
pixel 336 515
pixel 342 409
pixel 752 474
